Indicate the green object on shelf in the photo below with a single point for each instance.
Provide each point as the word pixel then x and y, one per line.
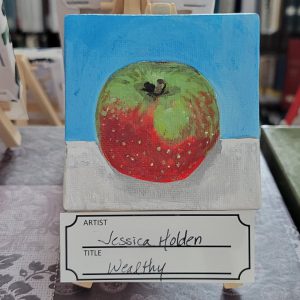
pixel 281 148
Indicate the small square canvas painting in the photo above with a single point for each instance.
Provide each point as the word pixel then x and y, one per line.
pixel 162 112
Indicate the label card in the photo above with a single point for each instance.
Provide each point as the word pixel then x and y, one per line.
pixel 158 246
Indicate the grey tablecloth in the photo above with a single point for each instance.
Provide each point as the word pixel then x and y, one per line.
pixel 30 203
pixel 39 161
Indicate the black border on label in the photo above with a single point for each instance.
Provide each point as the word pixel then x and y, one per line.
pixel 157 278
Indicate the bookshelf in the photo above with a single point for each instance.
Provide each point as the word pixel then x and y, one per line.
pixel 276 62
pixel 33 23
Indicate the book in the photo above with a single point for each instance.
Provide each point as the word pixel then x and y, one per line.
pixel 298 18
pixel 249 6
pixel 217 2
pixel 270 92
pixel 290 15
pixel 292 79
pixel 267 71
pixel 280 72
pixel 30 15
pixel 52 18
pixel 238 6
pixel 11 15
pixel 227 6
pixel 270 13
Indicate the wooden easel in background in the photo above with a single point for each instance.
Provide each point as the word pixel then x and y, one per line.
pixel 31 82
pixel 9 133
pixel 137 7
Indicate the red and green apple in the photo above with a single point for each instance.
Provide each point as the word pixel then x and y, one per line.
pixel 156 121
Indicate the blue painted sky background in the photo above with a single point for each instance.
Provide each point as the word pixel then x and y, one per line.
pixel 224 48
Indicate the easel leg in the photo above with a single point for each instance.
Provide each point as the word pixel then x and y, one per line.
pixel 8 132
pixel 160 9
pixel 132 7
pixel 229 286
pixel 118 7
pixel 84 284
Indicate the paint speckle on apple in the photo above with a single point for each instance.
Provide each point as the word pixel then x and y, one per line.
pixel 156 121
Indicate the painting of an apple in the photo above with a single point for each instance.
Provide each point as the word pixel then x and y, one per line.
pixel 156 121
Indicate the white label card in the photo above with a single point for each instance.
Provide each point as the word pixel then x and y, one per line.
pixel 158 246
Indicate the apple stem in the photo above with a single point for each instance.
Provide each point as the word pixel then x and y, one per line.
pixel 155 91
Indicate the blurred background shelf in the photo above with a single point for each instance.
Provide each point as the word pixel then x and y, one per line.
pixel 34 24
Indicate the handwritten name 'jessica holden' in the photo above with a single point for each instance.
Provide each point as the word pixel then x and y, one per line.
pixel 180 239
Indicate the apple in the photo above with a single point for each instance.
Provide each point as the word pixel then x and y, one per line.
pixel 156 121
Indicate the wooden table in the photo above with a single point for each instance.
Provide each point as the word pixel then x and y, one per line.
pixel 30 202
